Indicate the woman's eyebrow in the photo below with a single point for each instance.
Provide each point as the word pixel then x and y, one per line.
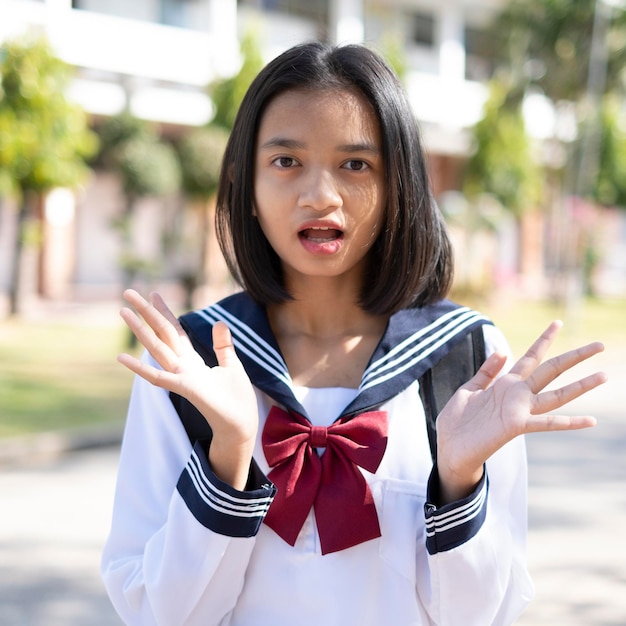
pixel 359 147
pixel 282 142
pixel 293 144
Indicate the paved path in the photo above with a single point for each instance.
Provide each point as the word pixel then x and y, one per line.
pixel 577 513
pixel 53 522
pixel 54 517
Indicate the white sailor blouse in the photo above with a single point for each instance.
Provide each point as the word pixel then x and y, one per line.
pixel 187 549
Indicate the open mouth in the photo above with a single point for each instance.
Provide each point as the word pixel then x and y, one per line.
pixel 320 234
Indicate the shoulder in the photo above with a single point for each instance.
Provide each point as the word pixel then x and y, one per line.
pixel 237 305
pixel 495 341
pixel 447 329
pixel 443 317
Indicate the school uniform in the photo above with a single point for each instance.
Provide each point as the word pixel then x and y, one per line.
pixel 186 548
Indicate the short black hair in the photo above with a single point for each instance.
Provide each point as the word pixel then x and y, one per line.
pixel 410 263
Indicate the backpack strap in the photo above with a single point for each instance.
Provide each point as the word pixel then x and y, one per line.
pixel 438 384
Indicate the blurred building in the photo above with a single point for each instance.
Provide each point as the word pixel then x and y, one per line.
pixel 157 57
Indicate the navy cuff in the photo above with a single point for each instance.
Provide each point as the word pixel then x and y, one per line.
pixel 217 505
pixel 455 523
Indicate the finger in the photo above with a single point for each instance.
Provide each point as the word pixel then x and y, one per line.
pixel 549 423
pixel 487 372
pixel 172 330
pixel 223 346
pixel 159 350
pixel 153 375
pixel 554 399
pixel 159 317
pixel 551 369
pixel 134 298
pixel 534 355
pixel 160 305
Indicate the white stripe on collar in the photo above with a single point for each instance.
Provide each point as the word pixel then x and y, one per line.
pixel 415 349
pixel 249 342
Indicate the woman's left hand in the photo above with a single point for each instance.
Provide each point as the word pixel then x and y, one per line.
pixel 483 415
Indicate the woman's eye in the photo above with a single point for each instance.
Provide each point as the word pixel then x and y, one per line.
pixel 355 165
pixel 285 162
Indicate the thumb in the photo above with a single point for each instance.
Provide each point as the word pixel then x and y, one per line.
pixel 223 346
pixel 487 372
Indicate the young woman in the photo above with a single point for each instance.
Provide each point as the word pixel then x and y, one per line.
pixel 301 488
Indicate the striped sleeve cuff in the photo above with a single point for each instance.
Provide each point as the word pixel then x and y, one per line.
pixel 453 524
pixel 220 507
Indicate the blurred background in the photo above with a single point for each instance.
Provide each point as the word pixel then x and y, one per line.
pixel 113 119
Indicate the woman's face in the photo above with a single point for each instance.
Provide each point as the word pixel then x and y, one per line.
pixel 319 183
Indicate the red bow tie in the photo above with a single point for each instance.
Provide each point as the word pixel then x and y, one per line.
pixel 332 484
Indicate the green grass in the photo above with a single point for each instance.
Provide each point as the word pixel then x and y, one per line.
pixel 55 376
pixel 590 320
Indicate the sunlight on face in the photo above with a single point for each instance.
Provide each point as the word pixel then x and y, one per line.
pixel 319 181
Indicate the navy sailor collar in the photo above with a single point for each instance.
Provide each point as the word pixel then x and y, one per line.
pixel 414 340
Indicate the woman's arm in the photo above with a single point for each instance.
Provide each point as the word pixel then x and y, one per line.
pixel 180 542
pixel 223 394
pixel 476 532
pixel 184 519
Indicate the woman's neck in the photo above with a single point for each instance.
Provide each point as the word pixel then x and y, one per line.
pixel 321 312
pixel 326 338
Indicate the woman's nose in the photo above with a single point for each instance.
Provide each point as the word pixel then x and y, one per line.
pixel 320 191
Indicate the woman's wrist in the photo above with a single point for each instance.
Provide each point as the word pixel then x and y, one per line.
pixel 454 486
pixel 231 462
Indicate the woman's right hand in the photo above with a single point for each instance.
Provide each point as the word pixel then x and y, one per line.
pixel 223 394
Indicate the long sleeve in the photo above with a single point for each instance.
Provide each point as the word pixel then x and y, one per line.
pixel 476 559
pixel 180 540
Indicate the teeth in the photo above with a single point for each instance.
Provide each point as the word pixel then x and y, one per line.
pixel 321 233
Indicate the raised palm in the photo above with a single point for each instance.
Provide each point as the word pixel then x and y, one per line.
pixel 487 412
pixel 223 394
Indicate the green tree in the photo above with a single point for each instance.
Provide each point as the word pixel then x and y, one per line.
pixel 549 43
pixel 573 50
pixel 393 50
pixel 502 169
pixel 610 185
pixel 200 152
pixel 44 139
pixel 228 93
pixel 502 164
pixel 146 166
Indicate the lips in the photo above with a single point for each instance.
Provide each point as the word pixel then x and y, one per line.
pixel 320 234
pixel 321 239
